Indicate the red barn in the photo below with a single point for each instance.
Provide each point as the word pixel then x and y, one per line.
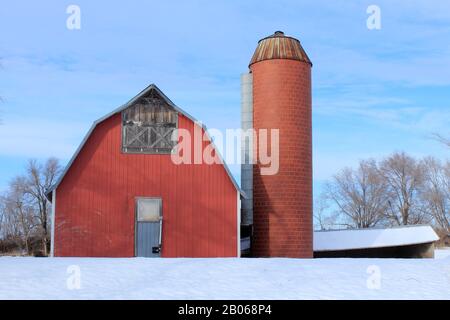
pixel 122 195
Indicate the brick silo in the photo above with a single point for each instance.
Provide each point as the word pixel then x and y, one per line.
pixel 282 202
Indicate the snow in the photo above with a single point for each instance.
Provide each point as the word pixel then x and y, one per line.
pixel 442 253
pixel 373 238
pixel 276 278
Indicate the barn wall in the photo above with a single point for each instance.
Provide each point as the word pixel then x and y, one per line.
pixel 95 207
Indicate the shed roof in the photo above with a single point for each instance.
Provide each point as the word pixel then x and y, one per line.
pixel 125 106
pixel 335 240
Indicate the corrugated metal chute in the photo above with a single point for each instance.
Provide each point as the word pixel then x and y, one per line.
pixel 247 147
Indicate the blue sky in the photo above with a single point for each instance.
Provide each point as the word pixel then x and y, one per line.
pixel 374 91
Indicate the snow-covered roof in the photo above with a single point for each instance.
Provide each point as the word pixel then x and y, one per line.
pixel 123 107
pixel 373 238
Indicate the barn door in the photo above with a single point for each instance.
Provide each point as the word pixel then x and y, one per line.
pixel 148 227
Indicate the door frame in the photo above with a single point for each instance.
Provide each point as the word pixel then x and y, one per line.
pixel 136 200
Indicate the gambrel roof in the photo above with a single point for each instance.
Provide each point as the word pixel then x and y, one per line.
pixel 125 106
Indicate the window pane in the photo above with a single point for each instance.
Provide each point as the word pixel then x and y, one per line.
pixel 149 210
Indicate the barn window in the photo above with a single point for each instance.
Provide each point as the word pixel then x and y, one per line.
pixel 149 210
pixel 148 126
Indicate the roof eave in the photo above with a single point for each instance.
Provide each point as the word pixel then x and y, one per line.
pixel 120 109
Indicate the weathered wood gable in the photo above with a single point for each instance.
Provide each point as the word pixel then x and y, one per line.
pixel 148 126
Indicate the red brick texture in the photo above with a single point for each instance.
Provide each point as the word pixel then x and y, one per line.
pixel 283 202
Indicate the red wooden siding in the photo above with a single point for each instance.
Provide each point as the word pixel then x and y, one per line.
pixel 95 202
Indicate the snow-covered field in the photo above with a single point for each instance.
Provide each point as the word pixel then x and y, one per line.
pixel 442 253
pixel 138 278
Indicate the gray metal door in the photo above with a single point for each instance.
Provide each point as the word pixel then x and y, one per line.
pixel 148 227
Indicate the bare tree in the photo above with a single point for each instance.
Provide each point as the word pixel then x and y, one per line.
pixel 440 138
pixel 360 195
pixel 404 177
pixel 19 214
pixel 436 194
pixel 39 179
pixel 24 208
pixel 323 219
pixel 2 216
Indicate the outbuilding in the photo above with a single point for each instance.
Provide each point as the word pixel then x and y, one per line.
pixel 122 195
pixel 415 241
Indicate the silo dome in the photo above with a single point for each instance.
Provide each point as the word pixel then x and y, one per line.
pixel 279 46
